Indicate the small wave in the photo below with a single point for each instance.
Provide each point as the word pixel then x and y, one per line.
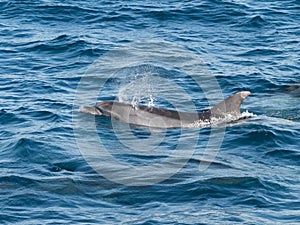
pixel 249 182
pixel 25 148
pixel 261 52
pixel 70 165
pixel 64 8
pixel 292 114
pixel 10 118
pixel 60 44
pixel 255 82
pixel 291 157
pixel 213 12
pixel 45 115
pixel 215 164
pixel 256 21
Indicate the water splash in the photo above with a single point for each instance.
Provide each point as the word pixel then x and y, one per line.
pixel 220 121
pixel 139 91
pixel 151 101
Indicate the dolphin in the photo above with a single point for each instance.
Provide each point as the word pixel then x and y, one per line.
pixel 294 90
pixel 164 118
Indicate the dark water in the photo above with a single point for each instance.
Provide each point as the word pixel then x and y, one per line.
pixel 46 47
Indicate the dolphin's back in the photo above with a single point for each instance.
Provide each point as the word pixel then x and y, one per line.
pixel 146 116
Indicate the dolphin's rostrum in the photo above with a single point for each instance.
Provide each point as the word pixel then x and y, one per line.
pixel 163 118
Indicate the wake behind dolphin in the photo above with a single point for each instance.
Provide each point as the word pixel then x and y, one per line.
pixel 164 118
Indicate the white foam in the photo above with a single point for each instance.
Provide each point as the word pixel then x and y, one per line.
pixel 247 114
pixel 215 121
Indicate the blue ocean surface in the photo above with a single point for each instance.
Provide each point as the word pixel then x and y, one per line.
pixel 60 166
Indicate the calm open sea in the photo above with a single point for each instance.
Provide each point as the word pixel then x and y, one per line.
pixel 252 176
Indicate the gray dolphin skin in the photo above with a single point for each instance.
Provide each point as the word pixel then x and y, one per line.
pixel 294 90
pixel 163 118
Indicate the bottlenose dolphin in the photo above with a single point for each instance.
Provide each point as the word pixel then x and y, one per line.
pixel 294 90
pixel 164 118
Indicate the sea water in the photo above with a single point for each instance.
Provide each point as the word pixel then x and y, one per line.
pixel 59 166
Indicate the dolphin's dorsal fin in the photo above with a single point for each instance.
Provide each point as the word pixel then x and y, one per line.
pixel 230 105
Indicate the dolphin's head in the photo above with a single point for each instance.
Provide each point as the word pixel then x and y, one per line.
pixel 91 110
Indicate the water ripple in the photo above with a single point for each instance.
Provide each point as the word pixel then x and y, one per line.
pixel 47 46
